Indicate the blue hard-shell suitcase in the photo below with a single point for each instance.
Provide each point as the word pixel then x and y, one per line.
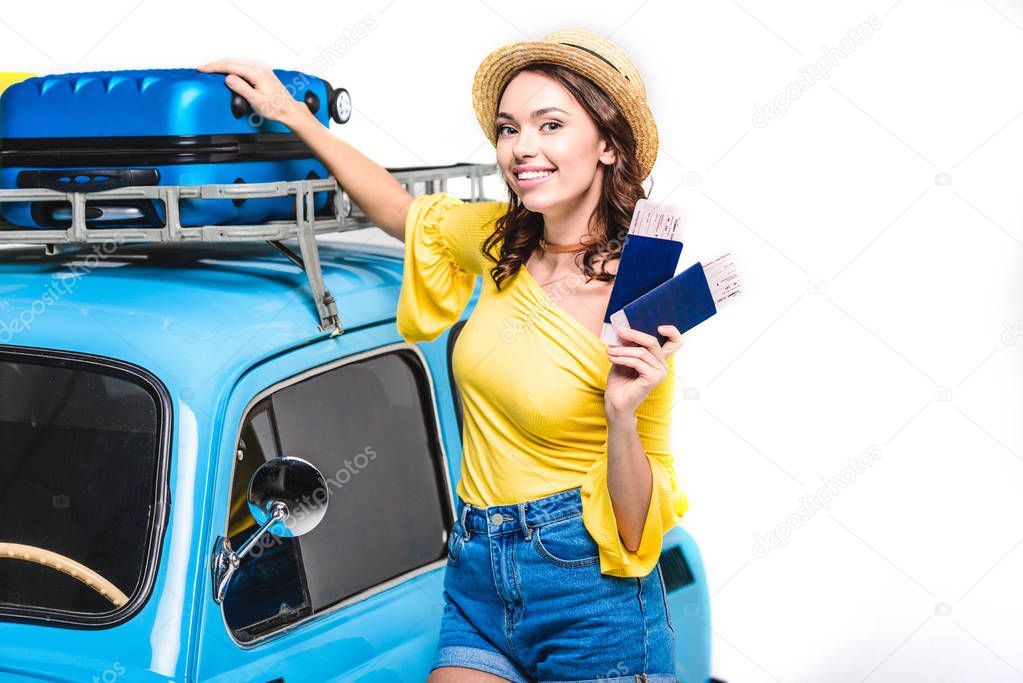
pixel 101 130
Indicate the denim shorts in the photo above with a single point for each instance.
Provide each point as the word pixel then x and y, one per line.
pixel 524 599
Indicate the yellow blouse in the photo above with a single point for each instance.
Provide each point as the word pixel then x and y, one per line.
pixel 531 379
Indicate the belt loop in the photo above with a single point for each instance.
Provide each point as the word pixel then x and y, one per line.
pixel 522 520
pixel 465 529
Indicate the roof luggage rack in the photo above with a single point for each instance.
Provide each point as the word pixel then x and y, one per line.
pixel 344 216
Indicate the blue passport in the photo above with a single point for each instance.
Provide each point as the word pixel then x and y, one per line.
pixel 650 256
pixel 685 300
pixel 646 262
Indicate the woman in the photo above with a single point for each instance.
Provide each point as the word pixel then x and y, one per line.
pixel 567 485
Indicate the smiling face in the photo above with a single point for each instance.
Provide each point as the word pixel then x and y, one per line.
pixel 548 146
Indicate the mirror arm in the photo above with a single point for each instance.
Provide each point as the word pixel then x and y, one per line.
pixel 278 511
pixel 226 560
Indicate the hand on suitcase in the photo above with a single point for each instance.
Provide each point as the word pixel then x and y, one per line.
pixel 259 85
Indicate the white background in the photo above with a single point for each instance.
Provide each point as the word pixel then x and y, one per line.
pixel 878 227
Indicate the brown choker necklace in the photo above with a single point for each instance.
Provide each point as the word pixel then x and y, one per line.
pixel 563 248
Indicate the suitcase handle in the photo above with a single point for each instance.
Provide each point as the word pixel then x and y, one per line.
pixel 94 180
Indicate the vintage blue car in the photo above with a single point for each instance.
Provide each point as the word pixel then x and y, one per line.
pixel 165 400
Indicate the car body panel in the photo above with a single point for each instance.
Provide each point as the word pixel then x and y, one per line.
pixel 218 324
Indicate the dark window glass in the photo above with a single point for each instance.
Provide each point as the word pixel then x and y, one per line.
pixel 368 426
pixel 456 397
pixel 79 457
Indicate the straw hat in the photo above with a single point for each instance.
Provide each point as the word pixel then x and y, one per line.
pixel 587 53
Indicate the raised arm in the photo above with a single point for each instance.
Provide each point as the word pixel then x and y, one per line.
pixel 370 185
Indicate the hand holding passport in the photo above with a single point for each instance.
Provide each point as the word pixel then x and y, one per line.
pixel 647 293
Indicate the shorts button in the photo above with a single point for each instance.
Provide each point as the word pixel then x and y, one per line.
pixel 497 518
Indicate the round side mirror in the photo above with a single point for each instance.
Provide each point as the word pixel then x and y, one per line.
pixel 287 497
pixel 298 486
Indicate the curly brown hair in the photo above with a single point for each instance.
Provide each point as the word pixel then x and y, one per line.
pixel 519 230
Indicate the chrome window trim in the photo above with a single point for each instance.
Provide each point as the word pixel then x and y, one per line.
pixel 369 592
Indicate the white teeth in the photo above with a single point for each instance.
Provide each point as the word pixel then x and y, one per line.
pixel 529 175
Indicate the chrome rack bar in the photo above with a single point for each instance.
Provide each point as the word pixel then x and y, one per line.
pixel 344 216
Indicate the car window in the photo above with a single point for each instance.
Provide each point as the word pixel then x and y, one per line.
pixel 82 447
pixel 368 426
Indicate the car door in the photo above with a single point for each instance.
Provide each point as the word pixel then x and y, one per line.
pixel 363 590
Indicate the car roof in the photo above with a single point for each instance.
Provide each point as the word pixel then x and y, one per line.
pixel 180 309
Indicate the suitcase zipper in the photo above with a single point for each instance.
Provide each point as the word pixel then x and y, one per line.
pixel 150 150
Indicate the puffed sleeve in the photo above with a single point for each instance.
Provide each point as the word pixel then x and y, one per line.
pixel 443 240
pixel 667 501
